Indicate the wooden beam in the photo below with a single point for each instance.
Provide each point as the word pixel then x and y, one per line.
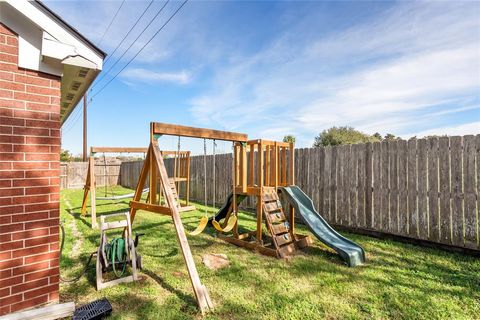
pixel 151 207
pixel 118 149
pixel 184 131
pixel 54 311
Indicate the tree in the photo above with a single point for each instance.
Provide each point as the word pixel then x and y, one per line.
pixel 390 136
pixel 65 156
pixel 378 136
pixel 289 138
pixel 342 135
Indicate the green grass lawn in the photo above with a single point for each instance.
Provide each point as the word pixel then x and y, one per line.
pixel 399 281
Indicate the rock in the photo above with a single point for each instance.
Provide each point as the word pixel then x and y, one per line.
pixel 214 261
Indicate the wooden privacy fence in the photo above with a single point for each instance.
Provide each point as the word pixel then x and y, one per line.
pixel 426 189
pixel 73 174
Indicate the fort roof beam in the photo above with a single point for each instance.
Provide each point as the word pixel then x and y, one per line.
pixel 158 128
pixel 118 149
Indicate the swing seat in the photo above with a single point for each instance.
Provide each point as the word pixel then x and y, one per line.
pixel 231 223
pixel 201 226
pixel 123 196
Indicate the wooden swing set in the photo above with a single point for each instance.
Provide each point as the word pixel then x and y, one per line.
pixel 269 165
pixel 181 175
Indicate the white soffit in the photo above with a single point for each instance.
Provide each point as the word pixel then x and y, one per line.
pixel 48 44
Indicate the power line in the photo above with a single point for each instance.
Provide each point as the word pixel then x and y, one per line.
pixel 74 120
pixel 125 37
pixel 131 44
pixel 110 24
pixel 141 49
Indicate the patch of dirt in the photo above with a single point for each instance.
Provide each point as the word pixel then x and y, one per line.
pixel 214 261
pixel 178 274
pixel 72 226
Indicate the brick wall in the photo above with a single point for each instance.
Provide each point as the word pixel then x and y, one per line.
pixel 29 182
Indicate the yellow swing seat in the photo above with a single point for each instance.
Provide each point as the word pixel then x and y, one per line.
pixel 201 226
pixel 231 223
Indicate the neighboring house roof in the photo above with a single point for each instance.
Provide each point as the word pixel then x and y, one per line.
pixel 48 44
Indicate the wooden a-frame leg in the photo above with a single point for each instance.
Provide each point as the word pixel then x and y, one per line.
pixel 93 205
pixel 141 182
pixel 84 201
pixel 201 292
pixel 86 189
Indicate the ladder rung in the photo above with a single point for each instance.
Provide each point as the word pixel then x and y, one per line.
pixel 286 250
pixel 272 206
pixel 276 217
pixel 269 197
pixel 283 239
pixel 280 228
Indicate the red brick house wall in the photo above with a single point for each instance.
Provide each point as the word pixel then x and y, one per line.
pixel 29 182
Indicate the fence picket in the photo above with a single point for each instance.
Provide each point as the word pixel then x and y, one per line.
pixel 385 187
pixel 377 200
pixel 412 216
pixel 402 187
pixel 433 210
pixel 368 187
pixel 352 178
pixel 444 186
pixel 470 208
pixel 422 188
pixel 333 186
pixel 326 183
pixel 457 190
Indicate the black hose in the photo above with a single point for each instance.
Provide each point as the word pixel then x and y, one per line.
pixel 86 265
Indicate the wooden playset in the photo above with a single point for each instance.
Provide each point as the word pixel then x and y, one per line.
pixel 274 168
pixel 181 175
pixel 260 173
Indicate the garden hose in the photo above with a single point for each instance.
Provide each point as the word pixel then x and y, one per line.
pixel 75 279
pixel 116 252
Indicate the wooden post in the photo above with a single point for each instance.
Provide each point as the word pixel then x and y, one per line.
pixel 291 181
pixel 243 169
pixel 234 193
pixel 275 166
pixel 251 181
pixel 187 174
pixel 153 183
pixel 93 207
pixel 85 127
pixel 259 197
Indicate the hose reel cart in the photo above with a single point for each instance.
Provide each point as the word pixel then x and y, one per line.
pixel 115 255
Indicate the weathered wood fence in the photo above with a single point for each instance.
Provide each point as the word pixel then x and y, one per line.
pixel 73 174
pixel 426 189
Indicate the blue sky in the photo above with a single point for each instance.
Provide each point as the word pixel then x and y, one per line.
pixel 274 68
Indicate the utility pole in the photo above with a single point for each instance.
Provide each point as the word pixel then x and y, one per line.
pixel 85 127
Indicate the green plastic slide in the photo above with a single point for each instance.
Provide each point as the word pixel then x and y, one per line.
pixel 348 250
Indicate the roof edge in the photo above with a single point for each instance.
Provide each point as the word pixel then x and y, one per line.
pixel 65 24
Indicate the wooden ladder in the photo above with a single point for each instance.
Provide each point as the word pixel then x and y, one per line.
pixel 283 238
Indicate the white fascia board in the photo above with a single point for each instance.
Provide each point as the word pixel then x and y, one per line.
pixel 56 31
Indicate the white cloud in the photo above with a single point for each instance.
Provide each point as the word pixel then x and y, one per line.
pixel 388 75
pixel 458 130
pixel 132 75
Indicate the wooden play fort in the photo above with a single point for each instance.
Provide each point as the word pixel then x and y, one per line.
pixel 274 169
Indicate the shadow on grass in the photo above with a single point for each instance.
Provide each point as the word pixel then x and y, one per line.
pixel 188 299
